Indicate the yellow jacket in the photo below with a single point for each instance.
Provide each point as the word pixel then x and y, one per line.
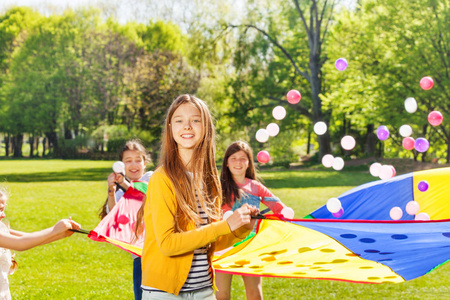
pixel 167 254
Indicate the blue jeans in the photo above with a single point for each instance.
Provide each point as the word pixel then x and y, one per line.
pixel 203 294
pixel 137 278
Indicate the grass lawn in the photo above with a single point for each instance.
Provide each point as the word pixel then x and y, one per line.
pixel 44 191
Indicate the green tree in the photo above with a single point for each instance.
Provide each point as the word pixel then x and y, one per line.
pixel 388 54
pixel 291 44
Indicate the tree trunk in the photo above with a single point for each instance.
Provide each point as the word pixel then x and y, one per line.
pixel 316 86
pixel 380 150
pixel 44 142
pixel 36 145
pixel 18 142
pixel 31 142
pixel 371 141
pixel 7 140
pixel 53 142
pixel 448 151
pixel 308 145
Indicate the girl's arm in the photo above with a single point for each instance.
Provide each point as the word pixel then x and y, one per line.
pixel 269 199
pixel 21 241
pixel 16 232
pixel 160 210
pixel 112 188
pixel 111 200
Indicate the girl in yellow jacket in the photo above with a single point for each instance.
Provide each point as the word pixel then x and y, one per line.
pixel 182 211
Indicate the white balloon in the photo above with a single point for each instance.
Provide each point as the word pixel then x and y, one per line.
pixel 386 172
pixel 118 167
pixel 279 112
pixel 227 214
pixel 348 142
pixel 262 135
pixel 320 128
pixel 412 207
pixel 396 213
pixel 327 160
pixel 334 205
pixel 338 163
pixel 410 105
pixel 405 130
pixel 273 129
pixel 288 213
pixel 375 169
pixel 422 217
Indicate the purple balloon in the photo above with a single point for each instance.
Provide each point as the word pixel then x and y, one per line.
pixel 341 64
pixel 382 132
pixel 423 186
pixel 422 144
pixel 339 213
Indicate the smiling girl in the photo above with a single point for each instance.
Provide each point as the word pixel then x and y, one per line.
pixel 182 212
pixel 135 158
pixel 241 187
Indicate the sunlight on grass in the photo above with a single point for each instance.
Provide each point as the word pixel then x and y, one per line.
pixel 44 191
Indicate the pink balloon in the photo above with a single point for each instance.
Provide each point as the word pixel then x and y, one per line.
pixel 412 208
pixel 263 156
pixel 293 96
pixel 426 83
pixel 408 143
pixel 348 142
pixel 435 118
pixel 394 171
pixel 396 213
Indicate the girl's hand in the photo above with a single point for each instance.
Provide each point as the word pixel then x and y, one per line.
pixel 111 184
pixel 119 178
pixel 242 217
pixel 63 226
pixel 112 179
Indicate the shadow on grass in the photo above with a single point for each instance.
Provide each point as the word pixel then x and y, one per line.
pixel 273 179
pixel 84 174
pixel 308 178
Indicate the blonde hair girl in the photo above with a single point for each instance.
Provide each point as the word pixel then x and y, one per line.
pixel 16 240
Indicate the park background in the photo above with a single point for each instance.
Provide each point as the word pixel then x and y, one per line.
pixel 76 81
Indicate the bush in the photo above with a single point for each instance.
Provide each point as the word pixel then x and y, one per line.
pixel 115 145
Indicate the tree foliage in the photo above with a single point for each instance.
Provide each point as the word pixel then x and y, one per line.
pixel 77 75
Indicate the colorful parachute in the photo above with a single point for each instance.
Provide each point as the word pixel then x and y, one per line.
pixel 374 200
pixel 355 251
pixel 362 246
pixel 117 227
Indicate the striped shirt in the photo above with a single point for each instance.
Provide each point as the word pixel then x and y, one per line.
pixel 199 276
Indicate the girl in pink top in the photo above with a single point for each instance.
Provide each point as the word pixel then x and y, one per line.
pixel 240 185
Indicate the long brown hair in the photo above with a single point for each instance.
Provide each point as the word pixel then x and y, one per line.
pixel 204 181
pixel 229 186
pixel 133 145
